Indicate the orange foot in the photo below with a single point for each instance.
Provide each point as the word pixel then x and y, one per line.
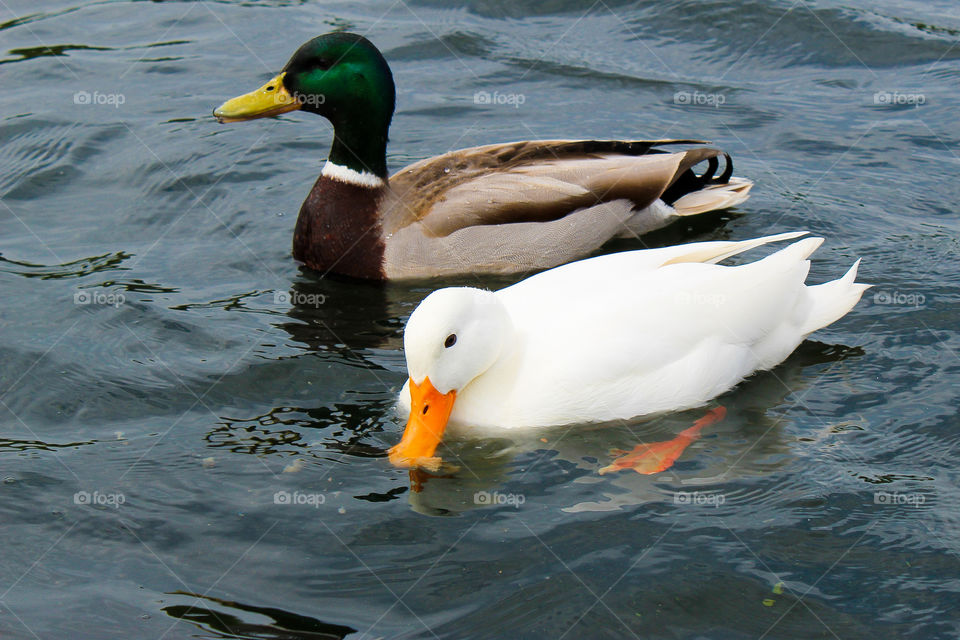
pixel 660 456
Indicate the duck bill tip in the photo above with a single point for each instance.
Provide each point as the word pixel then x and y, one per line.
pixel 429 414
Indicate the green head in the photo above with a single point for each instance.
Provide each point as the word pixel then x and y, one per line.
pixel 342 77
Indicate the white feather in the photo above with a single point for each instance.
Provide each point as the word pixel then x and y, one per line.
pixel 346 174
pixel 620 335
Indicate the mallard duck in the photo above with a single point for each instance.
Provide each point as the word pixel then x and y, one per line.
pixel 499 208
pixel 607 338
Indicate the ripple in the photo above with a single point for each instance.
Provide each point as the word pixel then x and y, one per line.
pixel 73 269
pixel 7 444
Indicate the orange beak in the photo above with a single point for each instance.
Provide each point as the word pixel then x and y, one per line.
pixel 429 413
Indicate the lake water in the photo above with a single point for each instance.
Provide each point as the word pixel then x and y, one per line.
pixel 193 429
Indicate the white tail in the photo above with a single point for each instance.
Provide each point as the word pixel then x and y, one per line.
pixel 832 300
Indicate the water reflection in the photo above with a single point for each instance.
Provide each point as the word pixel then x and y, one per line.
pixel 234 620
pixel 348 316
pixel 343 428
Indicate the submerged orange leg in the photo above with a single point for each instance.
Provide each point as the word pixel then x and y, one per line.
pixel 660 456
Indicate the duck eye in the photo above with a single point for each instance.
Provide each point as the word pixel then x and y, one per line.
pixel 323 64
pixel 450 341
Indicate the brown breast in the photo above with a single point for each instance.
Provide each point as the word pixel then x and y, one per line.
pixel 339 230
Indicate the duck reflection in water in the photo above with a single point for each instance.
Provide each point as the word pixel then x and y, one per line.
pixel 752 440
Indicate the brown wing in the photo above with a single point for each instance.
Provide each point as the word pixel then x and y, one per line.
pixel 539 181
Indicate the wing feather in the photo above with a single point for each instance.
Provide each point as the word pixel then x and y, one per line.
pixel 533 181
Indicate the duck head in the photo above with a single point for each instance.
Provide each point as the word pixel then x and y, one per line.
pixel 451 339
pixel 342 77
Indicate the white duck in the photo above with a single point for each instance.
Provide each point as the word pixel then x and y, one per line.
pixel 611 337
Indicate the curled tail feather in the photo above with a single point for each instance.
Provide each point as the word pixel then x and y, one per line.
pixel 832 300
pixel 714 197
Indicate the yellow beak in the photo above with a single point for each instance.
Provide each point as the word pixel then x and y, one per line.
pixel 271 99
pixel 429 413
